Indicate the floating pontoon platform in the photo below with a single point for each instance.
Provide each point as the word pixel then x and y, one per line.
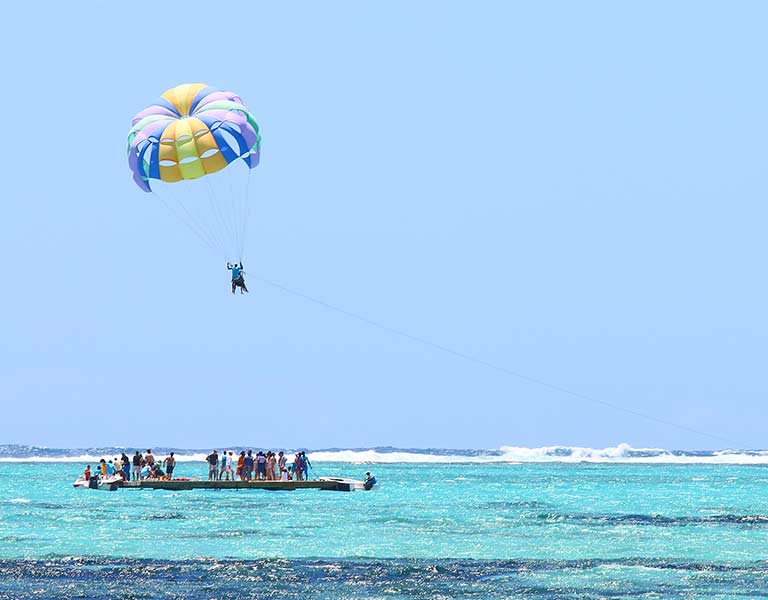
pixel 332 484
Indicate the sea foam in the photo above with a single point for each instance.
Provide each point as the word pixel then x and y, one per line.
pixel 623 453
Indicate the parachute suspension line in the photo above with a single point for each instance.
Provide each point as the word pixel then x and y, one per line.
pixel 480 361
pixel 239 194
pixel 229 211
pixel 234 212
pixel 208 232
pixel 189 226
pixel 236 193
pixel 217 217
pixel 215 242
pixel 246 213
pixel 227 190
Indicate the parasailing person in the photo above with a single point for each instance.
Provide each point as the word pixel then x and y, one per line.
pixel 196 145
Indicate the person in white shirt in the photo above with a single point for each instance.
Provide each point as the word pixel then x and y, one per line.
pixel 229 465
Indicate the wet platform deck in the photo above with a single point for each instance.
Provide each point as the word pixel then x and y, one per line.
pixel 178 485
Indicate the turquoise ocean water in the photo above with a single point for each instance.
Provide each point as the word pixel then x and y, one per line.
pixel 428 530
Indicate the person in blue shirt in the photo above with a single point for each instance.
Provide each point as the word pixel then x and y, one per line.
pixel 237 277
pixel 247 466
pixel 305 466
pixel 125 463
pixel 223 465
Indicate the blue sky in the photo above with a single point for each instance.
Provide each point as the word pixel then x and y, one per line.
pixel 572 191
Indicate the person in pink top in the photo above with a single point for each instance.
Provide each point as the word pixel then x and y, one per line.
pixel 297 467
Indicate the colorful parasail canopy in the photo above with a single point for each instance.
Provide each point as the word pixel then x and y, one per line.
pixel 191 131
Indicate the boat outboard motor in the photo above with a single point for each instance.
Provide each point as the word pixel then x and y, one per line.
pixel 93 482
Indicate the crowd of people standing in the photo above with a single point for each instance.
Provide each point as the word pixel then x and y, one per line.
pixel 264 466
pixel 139 466
pixel 247 466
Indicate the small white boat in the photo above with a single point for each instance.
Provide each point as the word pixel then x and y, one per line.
pixel 109 484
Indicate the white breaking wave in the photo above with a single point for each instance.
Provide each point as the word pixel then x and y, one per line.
pixel 623 453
